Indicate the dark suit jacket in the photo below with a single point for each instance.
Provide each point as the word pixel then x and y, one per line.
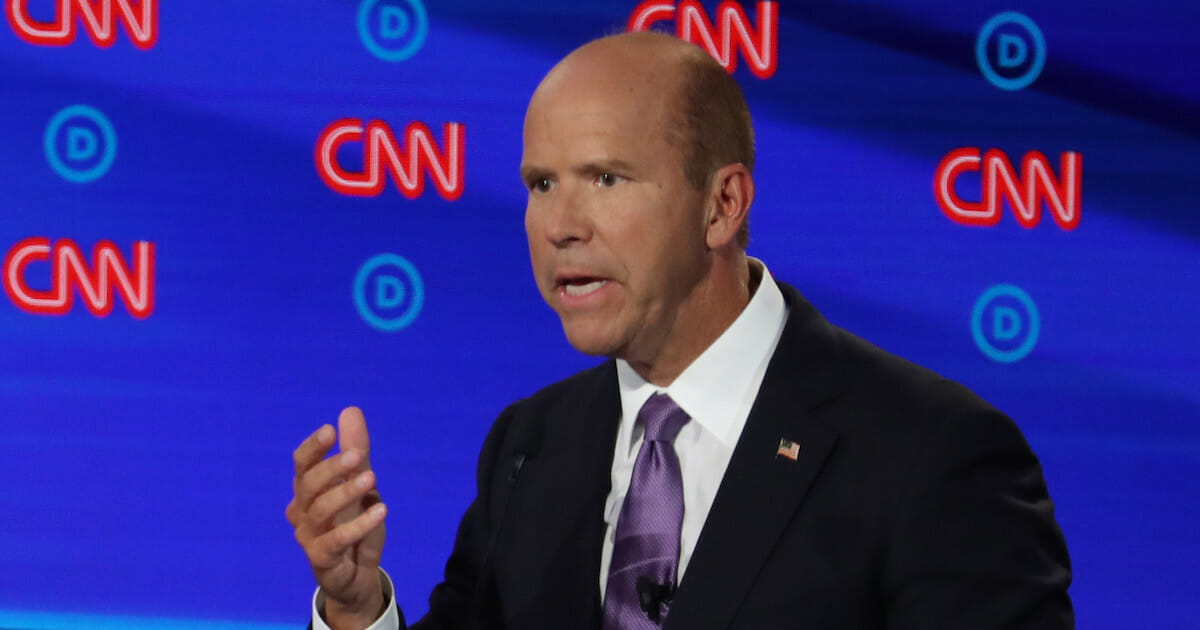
pixel 913 505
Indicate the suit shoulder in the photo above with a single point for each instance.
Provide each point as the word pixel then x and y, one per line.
pixel 890 404
pixel 900 388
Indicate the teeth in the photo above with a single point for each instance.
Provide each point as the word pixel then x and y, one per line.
pixel 584 289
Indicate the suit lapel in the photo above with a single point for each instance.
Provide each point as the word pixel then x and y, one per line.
pixel 761 490
pixel 552 551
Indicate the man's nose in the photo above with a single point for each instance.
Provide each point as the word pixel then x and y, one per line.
pixel 567 220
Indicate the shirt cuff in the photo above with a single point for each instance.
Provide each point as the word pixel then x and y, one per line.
pixel 389 621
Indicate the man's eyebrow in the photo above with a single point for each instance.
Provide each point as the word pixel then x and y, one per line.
pixel 603 166
pixel 531 172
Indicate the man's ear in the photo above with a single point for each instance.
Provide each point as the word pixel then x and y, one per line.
pixel 730 193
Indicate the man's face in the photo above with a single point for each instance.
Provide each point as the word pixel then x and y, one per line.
pixel 616 235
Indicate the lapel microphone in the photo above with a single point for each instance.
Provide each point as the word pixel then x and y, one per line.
pixel 652 596
pixel 526 444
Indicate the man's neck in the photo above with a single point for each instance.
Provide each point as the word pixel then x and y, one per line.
pixel 717 305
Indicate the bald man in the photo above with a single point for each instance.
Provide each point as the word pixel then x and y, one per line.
pixel 738 462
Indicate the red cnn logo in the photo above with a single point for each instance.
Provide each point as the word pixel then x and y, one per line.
pixel 381 151
pixel 760 46
pixel 108 275
pixel 98 18
pixel 1025 192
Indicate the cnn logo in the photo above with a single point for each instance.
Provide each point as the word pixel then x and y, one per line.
pixel 383 153
pixel 98 18
pixel 1027 190
pixel 759 45
pixel 107 277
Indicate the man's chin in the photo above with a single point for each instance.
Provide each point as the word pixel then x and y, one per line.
pixel 592 342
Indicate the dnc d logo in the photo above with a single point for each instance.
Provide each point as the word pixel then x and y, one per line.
pixel 80 144
pixel 1010 51
pixel 388 292
pixel 1005 323
pixel 393 30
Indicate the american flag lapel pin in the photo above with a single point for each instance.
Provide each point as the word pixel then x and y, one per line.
pixel 788 449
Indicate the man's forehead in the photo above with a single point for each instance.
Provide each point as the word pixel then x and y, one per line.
pixel 548 149
pixel 593 130
pixel 610 100
pixel 590 105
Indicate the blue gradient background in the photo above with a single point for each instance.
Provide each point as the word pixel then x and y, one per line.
pixel 147 463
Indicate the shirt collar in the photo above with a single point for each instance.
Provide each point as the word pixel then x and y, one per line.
pixel 723 379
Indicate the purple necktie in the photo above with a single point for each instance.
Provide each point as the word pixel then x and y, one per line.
pixel 646 545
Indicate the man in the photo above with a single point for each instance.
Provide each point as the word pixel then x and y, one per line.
pixel 741 463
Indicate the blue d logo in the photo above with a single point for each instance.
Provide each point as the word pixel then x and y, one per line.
pixel 1005 323
pixel 80 144
pixel 1013 51
pixel 392 30
pixel 1010 51
pixel 395 23
pixel 388 292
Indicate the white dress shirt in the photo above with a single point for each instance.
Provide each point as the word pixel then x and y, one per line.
pixel 717 390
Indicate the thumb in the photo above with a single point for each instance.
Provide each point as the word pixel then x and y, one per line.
pixel 352 432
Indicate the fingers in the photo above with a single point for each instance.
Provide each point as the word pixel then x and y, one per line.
pixel 335 503
pixel 324 551
pixel 352 431
pixel 313 449
pixel 324 475
pixel 327 505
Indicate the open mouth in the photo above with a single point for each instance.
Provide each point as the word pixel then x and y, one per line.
pixel 581 287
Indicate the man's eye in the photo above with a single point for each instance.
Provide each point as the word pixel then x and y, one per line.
pixel 607 180
pixel 542 185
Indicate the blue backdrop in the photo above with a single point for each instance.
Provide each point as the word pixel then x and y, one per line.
pixel 151 395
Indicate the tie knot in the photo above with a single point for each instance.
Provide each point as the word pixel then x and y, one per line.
pixel 662 418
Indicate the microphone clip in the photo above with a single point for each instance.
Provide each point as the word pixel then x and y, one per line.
pixel 518 464
pixel 652 596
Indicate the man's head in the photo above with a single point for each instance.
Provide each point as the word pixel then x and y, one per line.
pixel 714 127
pixel 639 185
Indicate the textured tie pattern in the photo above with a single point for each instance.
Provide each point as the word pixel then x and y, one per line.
pixel 647 537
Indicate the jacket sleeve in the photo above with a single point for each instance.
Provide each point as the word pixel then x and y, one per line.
pixel 975 545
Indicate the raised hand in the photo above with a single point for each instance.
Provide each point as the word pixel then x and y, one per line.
pixel 338 516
